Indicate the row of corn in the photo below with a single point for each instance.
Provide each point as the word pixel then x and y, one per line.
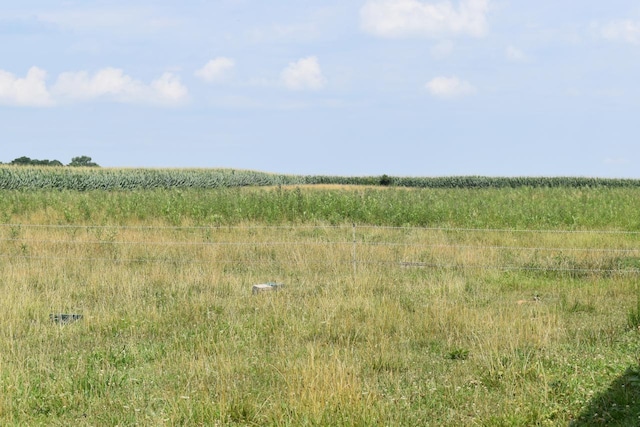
pixel 84 179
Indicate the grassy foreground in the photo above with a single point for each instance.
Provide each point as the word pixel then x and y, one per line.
pixel 452 318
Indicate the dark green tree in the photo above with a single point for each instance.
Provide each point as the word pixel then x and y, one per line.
pixel 82 161
pixel 26 161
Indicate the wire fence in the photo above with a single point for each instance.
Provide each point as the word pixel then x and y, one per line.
pixel 351 246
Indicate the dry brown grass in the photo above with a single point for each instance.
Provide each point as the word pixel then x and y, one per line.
pixel 171 333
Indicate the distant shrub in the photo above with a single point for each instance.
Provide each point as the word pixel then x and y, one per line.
pixel 385 180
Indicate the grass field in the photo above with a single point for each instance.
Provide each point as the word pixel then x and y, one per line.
pixel 400 307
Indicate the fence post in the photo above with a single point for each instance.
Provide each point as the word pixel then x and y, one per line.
pixel 354 255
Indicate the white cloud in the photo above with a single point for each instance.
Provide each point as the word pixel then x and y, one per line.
pixel 28 91
pixel 113 84
pixel 449 87
pixel 169 89
pixel 409 18
pixel 625 31
pixel 216 69
pixel 109 83
pixel 516 55
pixel 303 74
pixel 106 82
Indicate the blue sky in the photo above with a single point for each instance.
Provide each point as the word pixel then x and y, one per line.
pixel 333 87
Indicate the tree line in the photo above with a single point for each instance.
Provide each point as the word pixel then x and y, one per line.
pixel 75 162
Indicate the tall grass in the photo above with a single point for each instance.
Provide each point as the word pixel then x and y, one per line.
pixel 537 208
pixel 428 329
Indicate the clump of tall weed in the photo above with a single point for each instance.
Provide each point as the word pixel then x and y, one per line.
pixel 633 315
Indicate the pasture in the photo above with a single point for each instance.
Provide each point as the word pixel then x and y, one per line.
pixel 443 307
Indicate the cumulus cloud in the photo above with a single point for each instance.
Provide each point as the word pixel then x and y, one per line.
pixel 303 74
pixel 168 88
pixel 411 18
pixel 449 87
pixel 216 70
pixel 28 91
pixel 106 82
pixel 113 84
pixel 623 31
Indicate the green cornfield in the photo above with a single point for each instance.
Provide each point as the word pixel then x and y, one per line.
pixel 83 179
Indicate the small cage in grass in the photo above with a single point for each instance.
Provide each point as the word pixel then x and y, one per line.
pixel 64 318
pixel 266 287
